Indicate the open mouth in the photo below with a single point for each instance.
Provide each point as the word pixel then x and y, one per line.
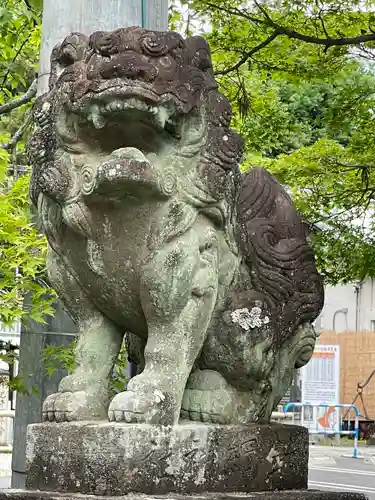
pixel 115 122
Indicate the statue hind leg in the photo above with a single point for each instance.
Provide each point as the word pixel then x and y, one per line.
pixel 264 368
pixel 178 294
pixel 84 394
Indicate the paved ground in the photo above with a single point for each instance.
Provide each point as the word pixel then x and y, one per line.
pixel 334 469
pixel 346 474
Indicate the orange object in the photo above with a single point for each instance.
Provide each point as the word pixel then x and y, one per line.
pixel 324 355
pixel 324 420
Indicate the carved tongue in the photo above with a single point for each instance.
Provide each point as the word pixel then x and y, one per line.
pixel 129 154
pixel 126 171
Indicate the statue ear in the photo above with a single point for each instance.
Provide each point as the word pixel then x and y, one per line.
pixel 74 48
pixel 198 53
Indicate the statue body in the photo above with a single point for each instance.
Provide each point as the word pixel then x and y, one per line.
pixel 155 234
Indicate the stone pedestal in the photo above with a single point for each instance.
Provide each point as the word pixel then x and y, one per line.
pixel 94 461
pixel 117 459
pixel 269 495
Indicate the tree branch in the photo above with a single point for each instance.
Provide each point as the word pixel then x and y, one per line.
pixel 28 5
pixel 320 17
pixel 236 12
pixel 248 54
pixel 328 42
pixel 263 11
pixel 16 103
pixel 290 33
pixel 366 53
pixel 31 9
pixel 15 57
pixel 18 135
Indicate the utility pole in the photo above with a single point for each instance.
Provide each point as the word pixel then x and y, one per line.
pixel 61 17
pixel 86 16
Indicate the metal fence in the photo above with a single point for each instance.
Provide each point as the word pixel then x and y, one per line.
pixel 330 409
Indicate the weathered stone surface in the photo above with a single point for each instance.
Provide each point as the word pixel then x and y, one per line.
pixel 116 459
pixel 154 231
pixel 274 495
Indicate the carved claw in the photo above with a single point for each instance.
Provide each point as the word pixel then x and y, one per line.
pixel 221 406
pixel 199 406
pixel 63 407
pixel 133 407
pixel 42 120
pixel 69 406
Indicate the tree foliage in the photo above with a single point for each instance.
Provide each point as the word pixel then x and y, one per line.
pixel 62 357
pixel 22 254
pixel 300 37
pixel 22 247
pixel 301 80
pixel 317 137
pixel 19 42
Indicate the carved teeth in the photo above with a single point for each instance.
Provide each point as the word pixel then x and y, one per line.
pixel 136 104
pixel 99 121
pixel 114 106
pixel 96 117
pixel 162 114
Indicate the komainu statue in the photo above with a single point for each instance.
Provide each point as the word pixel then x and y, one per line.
pixel 155 234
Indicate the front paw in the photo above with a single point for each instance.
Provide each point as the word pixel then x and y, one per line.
pixel 136 407
pixel 73 406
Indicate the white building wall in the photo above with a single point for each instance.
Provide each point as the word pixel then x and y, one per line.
pixel 348 307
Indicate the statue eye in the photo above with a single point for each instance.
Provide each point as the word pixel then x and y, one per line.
pixel 165 61
pixel 154 46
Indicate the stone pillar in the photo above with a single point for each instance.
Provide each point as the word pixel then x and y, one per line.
pixel 34 337
pixel 59 19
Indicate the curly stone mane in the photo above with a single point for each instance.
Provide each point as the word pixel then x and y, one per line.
pixel 281 262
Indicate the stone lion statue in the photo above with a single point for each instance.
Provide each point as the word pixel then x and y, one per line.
pixel 155 234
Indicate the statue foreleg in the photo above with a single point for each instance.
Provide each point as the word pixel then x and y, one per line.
pixel 178 294
pixel 84 394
